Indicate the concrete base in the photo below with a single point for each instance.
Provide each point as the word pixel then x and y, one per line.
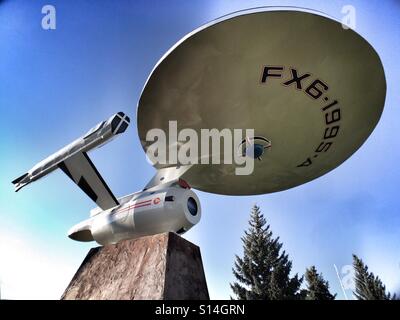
pixel 164 266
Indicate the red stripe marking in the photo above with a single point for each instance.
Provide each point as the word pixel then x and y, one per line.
pixel 136 205
pixel 142 205
pixel 123 210
pixel 142 202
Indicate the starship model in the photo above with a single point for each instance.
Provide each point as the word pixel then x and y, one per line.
pixel 307 86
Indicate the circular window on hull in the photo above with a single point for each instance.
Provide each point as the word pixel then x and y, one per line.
pixel 192 206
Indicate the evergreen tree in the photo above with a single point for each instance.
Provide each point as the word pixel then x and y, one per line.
pixel 368 286
pixel 264 271
pixel 317 287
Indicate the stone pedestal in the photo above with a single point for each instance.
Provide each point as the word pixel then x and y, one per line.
pixel 164 266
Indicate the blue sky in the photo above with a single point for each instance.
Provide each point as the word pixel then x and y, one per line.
pixel 55 85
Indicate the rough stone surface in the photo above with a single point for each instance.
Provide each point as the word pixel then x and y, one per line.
pixel 163 266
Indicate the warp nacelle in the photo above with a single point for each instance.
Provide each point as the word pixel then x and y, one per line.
pixel 100 134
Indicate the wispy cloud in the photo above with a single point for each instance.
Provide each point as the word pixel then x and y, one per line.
pixel 28 271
